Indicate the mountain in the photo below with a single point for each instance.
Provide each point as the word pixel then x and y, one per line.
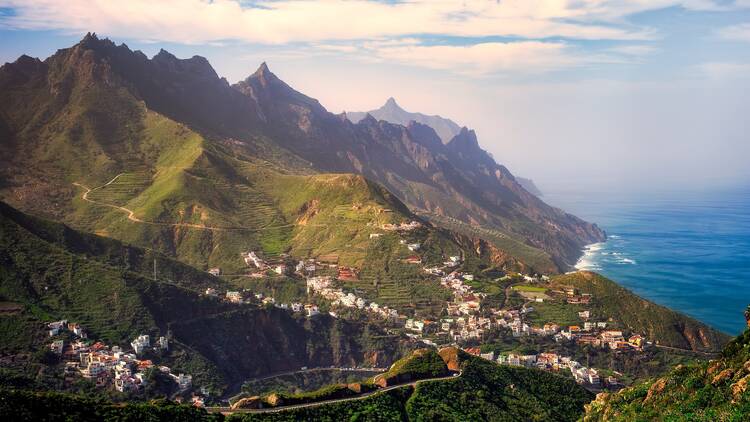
pixel 196 153
pixel 391 112
pixel 716 390
pixel 529 185
pixel 51 272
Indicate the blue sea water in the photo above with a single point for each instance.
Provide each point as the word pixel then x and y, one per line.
pixel 689 251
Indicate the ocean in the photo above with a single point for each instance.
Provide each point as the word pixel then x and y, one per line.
pixel 689 251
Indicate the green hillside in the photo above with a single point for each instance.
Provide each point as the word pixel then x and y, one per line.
pixel 707 391
pixel 484 391
pixel 665 326
pixel 52 272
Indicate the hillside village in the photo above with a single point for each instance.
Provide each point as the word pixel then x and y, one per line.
pixel 113 367
pixel 466 320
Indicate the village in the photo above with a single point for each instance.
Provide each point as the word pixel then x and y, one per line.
pixel 465 320
pixel 113 367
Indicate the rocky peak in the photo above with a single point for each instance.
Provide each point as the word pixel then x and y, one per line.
pixel 465 141
pixel 197 65
pixel 390 104
pixel 263 75
pixel 424 135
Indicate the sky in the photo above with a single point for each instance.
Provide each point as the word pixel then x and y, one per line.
pixel 590 94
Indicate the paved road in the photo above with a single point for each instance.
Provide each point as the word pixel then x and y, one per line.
pixel 227 410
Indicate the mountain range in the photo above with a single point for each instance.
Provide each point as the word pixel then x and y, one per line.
pixel 96 110
pixel 128 183
pixel 391 112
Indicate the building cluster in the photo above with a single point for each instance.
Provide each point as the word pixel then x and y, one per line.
pixel 595 336
pixel 323 287
pixel 112 367
pixel 551 362
pixel 56 327
pixel 404 227
pixel 262 266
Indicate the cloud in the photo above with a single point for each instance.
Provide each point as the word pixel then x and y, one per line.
pixel 488 58
pixel 739 32
pixel 724 70
pixel 276 22
pixel 634 50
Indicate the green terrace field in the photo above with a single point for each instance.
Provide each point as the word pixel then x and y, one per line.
pixel 563 314
pixel 535 258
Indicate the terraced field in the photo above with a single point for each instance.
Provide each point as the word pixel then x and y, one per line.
pixel 122 188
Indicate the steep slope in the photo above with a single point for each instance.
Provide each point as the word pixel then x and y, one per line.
pixel 95 154
pixel 709 391
pixel 51 272
pixel 665 326
pixel 187 142
pixel 529 185
pixel 454 180
pixel 446 129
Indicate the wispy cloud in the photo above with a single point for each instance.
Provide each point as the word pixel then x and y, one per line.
pixel 265 21
pixel 535 35
pixel 739 32
pixel 724 70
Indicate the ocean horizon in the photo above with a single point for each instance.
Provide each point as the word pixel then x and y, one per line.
pixel 689 251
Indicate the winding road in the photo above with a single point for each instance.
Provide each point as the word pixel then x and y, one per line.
pixel 133 218
pixel 228 410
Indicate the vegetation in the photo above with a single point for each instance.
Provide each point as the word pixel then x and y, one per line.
pixel 704 391
pixel 217 342
pixel 484 391
pixel 612 302
pixel 23 406
pixel 420 364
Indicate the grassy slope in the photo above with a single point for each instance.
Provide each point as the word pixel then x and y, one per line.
pixel 55 273
pixel 667 327
pixel 707 391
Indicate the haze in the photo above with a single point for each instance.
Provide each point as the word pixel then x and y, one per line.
pixel 594 94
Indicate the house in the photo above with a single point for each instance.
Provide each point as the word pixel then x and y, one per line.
pixel 636 340
pixel 141 343
pixel 234 297
pixel 473 351
pixel 347 274
pixel 215 271
pixel 163 343
pixel 252 259
pixel 183 381
pixel 211 292
pixel 375 235
pixel 488 356
pixel 413 246
pixel 297 307
pixel 280 269
pixel 55 327
pixel 311 310
pixel 584 314
pixel 413 259
pixel 57 347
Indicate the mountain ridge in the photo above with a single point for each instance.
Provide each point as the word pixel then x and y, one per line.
pixel 261 116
